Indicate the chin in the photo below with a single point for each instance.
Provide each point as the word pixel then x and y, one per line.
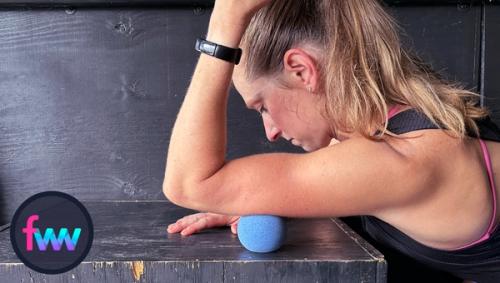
pixel 309 148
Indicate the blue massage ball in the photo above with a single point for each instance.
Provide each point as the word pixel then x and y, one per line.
pixel 261 233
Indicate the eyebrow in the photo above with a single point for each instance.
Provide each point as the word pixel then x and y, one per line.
pixel 256 98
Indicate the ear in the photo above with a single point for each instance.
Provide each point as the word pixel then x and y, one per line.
pixel 301 69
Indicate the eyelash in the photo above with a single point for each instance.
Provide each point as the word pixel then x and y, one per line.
pixel 262 110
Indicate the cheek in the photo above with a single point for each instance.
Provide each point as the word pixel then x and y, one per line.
pixel 279 118
pixel 284 110
pixel 267 121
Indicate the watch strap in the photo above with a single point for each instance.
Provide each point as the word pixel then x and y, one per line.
pixel 225 53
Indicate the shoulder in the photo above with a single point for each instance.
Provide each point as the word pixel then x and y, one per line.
pixel 374 175
pixel 427 148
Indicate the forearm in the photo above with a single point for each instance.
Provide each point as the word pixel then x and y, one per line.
pixel 198 143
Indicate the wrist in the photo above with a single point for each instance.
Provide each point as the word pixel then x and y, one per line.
pixel 232 55
pixel 226 30
pixel 226 35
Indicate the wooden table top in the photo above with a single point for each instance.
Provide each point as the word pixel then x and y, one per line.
pixel 130 236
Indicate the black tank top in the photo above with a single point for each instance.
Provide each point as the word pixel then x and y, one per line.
pixel 480 262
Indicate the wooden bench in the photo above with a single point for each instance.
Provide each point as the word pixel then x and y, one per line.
pixel 131 245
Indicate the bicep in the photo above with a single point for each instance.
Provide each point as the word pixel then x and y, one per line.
pixel 351 178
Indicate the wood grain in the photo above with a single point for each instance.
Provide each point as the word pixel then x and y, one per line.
pixel 87 101
pixel 131 237
pixel 115 3
pixel 491 81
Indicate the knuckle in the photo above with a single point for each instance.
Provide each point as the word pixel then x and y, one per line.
pixel 202 223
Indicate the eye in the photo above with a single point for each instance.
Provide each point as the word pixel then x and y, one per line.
pixel 262 109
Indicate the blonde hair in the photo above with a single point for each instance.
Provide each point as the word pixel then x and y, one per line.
pixel 367 69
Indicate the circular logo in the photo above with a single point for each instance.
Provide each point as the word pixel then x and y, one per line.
pixel 51 232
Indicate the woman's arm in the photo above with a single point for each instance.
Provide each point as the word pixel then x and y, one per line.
pixel 357 176
pixel 198 142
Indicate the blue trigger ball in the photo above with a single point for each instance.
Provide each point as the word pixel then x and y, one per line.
pixel 261 233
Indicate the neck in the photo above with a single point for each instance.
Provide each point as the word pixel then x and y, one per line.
pixel 342 136
pixel 393 110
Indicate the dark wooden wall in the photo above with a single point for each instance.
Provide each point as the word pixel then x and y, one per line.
pixel 490 71
pixel 89 90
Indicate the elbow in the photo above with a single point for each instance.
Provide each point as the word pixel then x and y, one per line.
pixel 181 193
pixel 174 186
pixel 172 191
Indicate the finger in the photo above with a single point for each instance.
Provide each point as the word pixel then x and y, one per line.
pixel 233 220
pixel 174 228
pixel 211 219
pixel 195 227
pixel 183 223
pixel 234 228
pixel 217 220
pixel 205 221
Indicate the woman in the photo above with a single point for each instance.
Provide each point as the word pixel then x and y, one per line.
pixel 385 137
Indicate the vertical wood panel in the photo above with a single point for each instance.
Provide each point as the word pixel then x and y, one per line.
pixel 492 60
pixel 448 37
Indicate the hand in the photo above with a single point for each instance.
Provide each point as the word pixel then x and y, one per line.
pixel 238 11
pixel 194 223
pixel 230 19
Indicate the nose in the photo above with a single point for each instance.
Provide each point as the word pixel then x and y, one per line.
pixel 272 132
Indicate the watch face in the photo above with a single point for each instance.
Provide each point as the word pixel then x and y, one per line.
pixel 208 47
pixel 232 55
pixel 51 232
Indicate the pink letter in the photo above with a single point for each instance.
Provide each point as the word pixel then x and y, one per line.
pixel 29 231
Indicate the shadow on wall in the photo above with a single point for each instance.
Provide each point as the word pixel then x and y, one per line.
pixel 495 115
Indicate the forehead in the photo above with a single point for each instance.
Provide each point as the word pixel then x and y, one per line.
pixel 249 91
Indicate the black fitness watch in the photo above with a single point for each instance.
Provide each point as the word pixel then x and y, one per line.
pixel 228 54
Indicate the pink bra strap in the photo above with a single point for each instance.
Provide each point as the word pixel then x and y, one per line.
pixel 491 227
pixel 487 160
pixel 394 109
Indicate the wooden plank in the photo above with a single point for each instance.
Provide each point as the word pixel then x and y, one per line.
pixel 114 3
pixel 315 250
pixel 448 38
pixel 121 271
pixel 491 83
